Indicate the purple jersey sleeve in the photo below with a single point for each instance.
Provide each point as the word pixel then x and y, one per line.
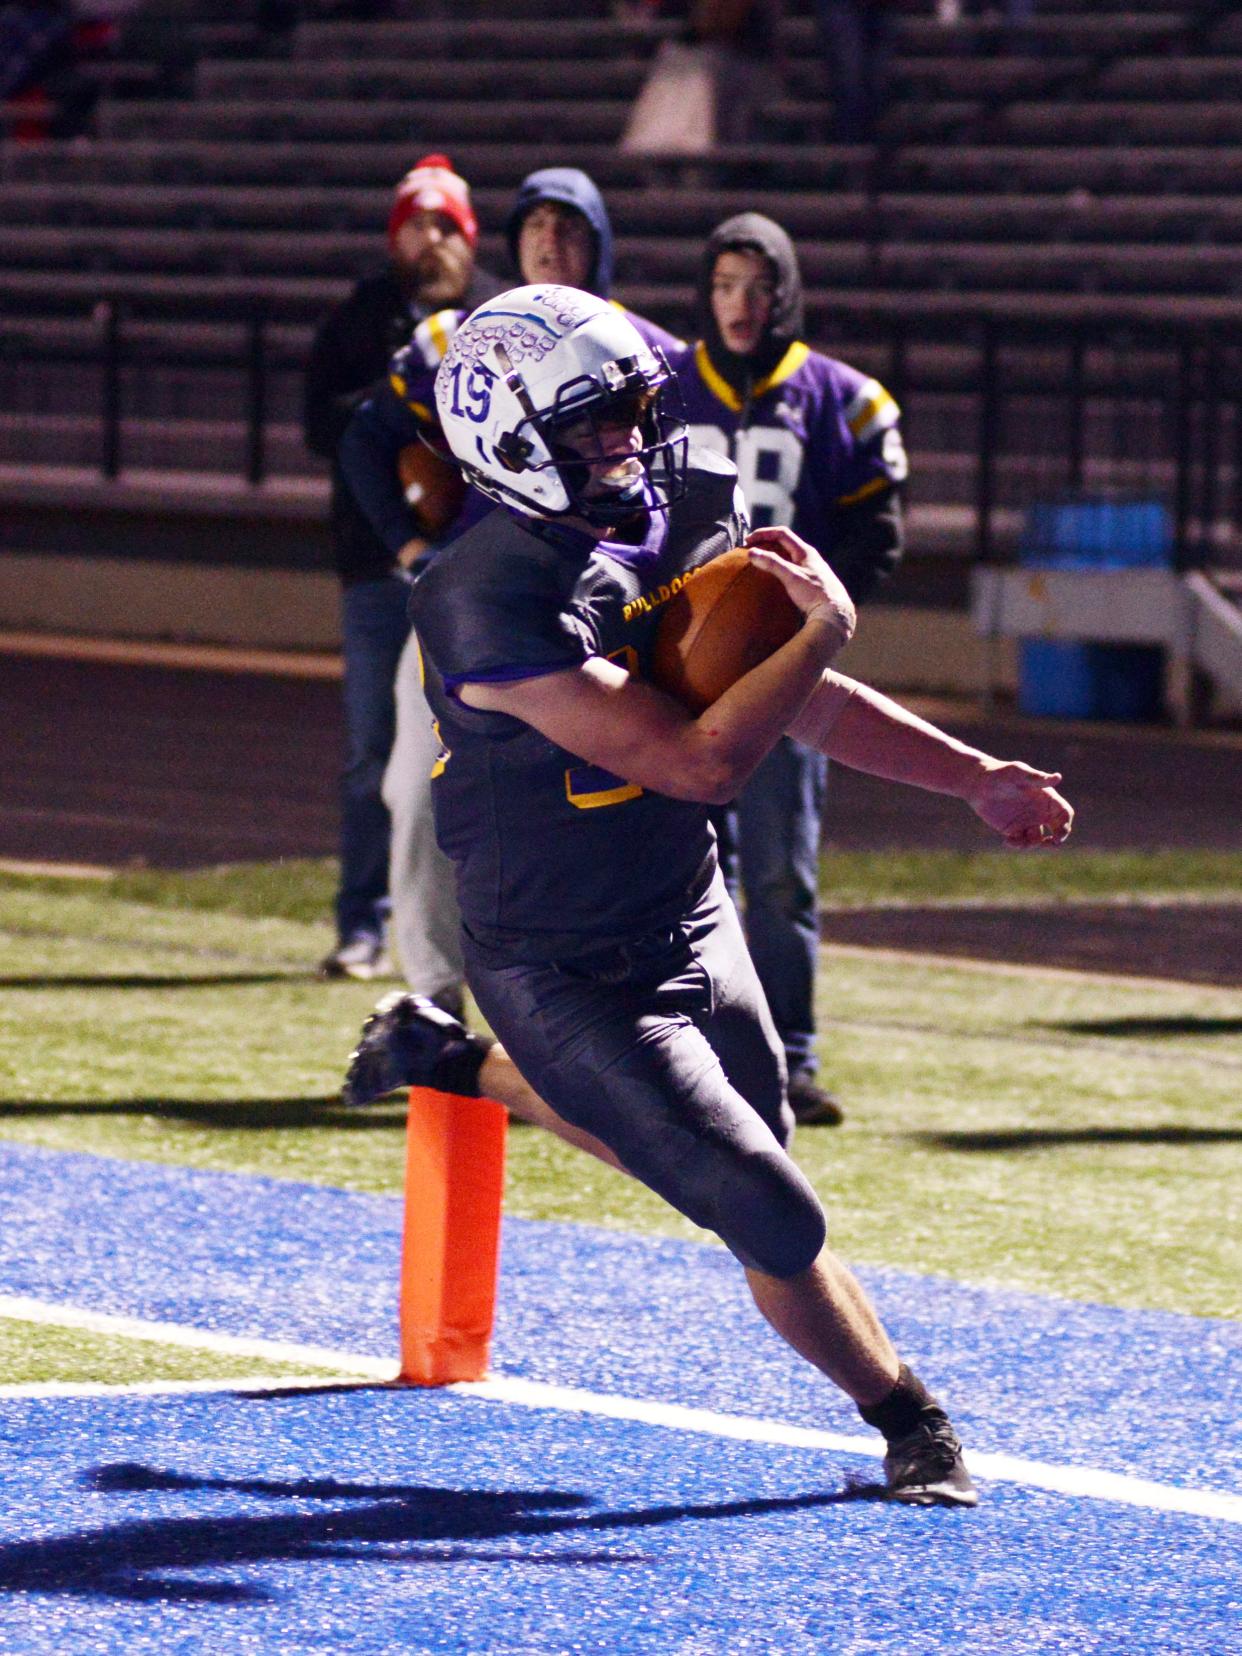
pixel 396 416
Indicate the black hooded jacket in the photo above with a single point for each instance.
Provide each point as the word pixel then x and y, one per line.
pixel 868 538
pixel 753 231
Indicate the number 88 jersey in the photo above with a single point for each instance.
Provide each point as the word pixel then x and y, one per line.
pixel 814 438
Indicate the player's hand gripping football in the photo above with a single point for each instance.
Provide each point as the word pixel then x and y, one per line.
pixel 805 576
pixel 1022 804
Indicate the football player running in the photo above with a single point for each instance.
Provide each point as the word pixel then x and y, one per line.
pixel 573 798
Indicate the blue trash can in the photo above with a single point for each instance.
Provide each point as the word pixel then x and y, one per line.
pixel 1073 680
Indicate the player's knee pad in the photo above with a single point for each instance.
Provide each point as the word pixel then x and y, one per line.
pixel 778 1224
pixel 767 1214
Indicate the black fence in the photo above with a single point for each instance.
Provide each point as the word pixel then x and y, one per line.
pixel 1003 409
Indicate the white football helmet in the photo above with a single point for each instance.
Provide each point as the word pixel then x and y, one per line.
pixel 536 360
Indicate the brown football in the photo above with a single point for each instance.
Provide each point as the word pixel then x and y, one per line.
pixel 729 616
pixel 433 486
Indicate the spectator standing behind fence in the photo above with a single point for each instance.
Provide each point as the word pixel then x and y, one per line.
pixel 818 447
pixel 856 45
pixel 713 84
pixel 558 230
pixel 432 232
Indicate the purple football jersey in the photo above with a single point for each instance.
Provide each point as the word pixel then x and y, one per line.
pixel 816 436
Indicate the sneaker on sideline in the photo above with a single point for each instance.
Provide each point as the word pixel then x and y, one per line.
pixel 362 956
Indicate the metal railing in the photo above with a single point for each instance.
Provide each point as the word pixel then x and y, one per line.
pixel 1028 405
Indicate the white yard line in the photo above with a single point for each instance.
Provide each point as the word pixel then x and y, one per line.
pixel 1082 1482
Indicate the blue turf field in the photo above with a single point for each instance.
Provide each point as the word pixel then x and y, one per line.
pixel 376 1521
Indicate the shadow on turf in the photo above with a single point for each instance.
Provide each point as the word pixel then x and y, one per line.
pixel 142 1559
pixel 1187 1025
pixel 234 1115
pixel 1047 1138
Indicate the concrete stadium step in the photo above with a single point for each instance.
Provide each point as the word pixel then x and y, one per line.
pixel 500 164
pixel 290 298
pixel 197 341
pixel 1155 76
pixel 1137 168
pixel 1075 215
pixel 1058 121
pixel 538 77
pixel 426 123
pixel 576 38
pixel 290 252
pixel 1069 266
pixel 205 445
pixel 293 300
pixel 915 32
pixel 828 168
pixel 532 78
pixel 255 207
pixel 1082 267
pixel 431 121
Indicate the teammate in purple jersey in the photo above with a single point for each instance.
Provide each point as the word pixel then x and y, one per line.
pixel 558 231
pixel 818 447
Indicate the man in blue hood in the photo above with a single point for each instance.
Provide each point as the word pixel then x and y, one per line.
pixel 558 231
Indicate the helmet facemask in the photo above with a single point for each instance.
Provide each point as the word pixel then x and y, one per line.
pixel 578 438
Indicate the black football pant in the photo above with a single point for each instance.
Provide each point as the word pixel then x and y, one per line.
pixel 664 1048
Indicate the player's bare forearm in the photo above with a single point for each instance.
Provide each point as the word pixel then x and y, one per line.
pixel 868 731
pixel 635 731
pixel 742 726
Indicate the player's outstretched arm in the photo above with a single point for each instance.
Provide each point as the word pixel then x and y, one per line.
pixel 859 727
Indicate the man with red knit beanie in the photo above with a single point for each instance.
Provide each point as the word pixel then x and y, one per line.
pixel 432 232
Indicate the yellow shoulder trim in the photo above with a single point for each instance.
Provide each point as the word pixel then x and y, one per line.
pixel 789 364
pixel 719 388
pixel 872 410
pixel 723 392
pixel 867 490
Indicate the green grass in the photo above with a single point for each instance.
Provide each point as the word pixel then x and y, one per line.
pixel 1076 1135
pixel 33 1354
pixel 301 889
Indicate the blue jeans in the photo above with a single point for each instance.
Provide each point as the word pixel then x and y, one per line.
pixel 769 843
pixel 374 628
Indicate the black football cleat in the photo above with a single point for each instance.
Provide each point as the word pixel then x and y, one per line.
pixel 409 1041
pixel 813 1105
pixel 926 1467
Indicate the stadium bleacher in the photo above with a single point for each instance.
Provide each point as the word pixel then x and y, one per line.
pixel 1087 173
